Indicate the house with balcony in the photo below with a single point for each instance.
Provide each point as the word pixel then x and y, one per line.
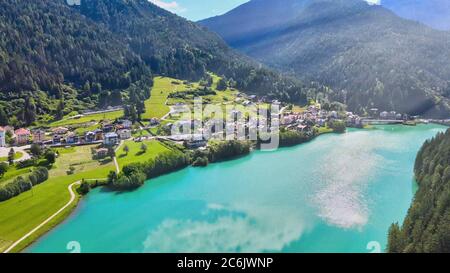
pixel 38 136
pixel 111 139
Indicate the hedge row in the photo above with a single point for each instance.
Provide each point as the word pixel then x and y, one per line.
pixel 21 184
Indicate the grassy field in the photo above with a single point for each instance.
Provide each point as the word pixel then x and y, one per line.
pixel 22 213
pixel 17 155
pixel 85 119
pixel 156 107
pixel 158 104
pixel 78 157
pixel 13 172
pixel 154 148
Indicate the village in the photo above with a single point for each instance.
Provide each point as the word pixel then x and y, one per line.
pixel 111 133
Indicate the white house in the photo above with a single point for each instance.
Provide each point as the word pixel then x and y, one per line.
pixel 2 137
pixel 126 123
pixel 111 139
pixel 124 134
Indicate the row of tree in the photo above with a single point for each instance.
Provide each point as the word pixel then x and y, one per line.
pixel 21 184
pixel 135 174
pixel 426 227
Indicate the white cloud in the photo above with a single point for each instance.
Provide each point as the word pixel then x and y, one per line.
pixel 170 6
pixel 374 2
pixel 253 229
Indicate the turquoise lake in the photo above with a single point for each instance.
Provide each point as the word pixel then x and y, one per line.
pixel 336 193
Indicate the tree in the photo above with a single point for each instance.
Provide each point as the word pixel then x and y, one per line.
pixel 395 240
pixel 3 168
pixel 143 148
pixel 60 109
pixel 111 152
pixel 29 110
pixel 112 176
pixel 4 120
pixel 36 150
pixel 126 149
pixel 84 188
pixel 338 126
pixel 50 156
pixel 11 156
pixel 222 84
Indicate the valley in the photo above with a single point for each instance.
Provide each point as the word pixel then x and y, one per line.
pixel 120 119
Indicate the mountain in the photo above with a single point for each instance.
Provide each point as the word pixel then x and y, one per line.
pixel 93 55
pixel 48 51
pixel 434 13
pixel 426 227
pixel 373 58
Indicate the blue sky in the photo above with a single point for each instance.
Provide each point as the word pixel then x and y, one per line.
pixel 198 9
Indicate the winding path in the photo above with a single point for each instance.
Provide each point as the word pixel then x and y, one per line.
pixel 72 198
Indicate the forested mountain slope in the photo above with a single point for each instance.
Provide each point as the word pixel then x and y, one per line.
pixel 427 225
pixel 56 58
pixel 373 57
pixel 47 46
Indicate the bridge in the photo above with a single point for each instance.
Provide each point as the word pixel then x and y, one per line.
pixel 381 121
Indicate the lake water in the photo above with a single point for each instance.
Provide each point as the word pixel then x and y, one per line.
pixel 337 193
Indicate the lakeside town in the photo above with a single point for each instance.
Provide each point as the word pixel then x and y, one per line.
pixel 110 133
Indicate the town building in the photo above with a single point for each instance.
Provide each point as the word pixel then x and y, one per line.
pixel 72 138
pixel 89 137
pixel 98 134
pixel 2 137
pixel 57 139
pixel 38 136
pixel 60 130
pixel 107 128
pixel 22 136
pixel 111 139
pixel 127 124
pixel 195 143
pixel 124 134
pixel 101 153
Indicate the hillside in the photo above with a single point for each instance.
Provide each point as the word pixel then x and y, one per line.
pixel 50 52
pixel 434 13
pixel 70 58
pixel 427 225
pixel 373 57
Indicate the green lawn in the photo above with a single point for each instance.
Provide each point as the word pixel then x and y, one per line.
pixel 324 130
pixel 12 173
pixel 156 107
pixel 22 213
pixel 17 155
pixel 85 119
pixel 158 104
pixel 154 148
pixel 79 157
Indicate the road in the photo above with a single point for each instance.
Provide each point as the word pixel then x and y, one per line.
pixel 4 151
pixel 72 198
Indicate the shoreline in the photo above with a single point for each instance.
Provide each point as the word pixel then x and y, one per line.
pixel 67 211
pixel 74 198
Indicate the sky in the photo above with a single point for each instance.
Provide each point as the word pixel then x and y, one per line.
pixel 198 9
pixel 195 10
